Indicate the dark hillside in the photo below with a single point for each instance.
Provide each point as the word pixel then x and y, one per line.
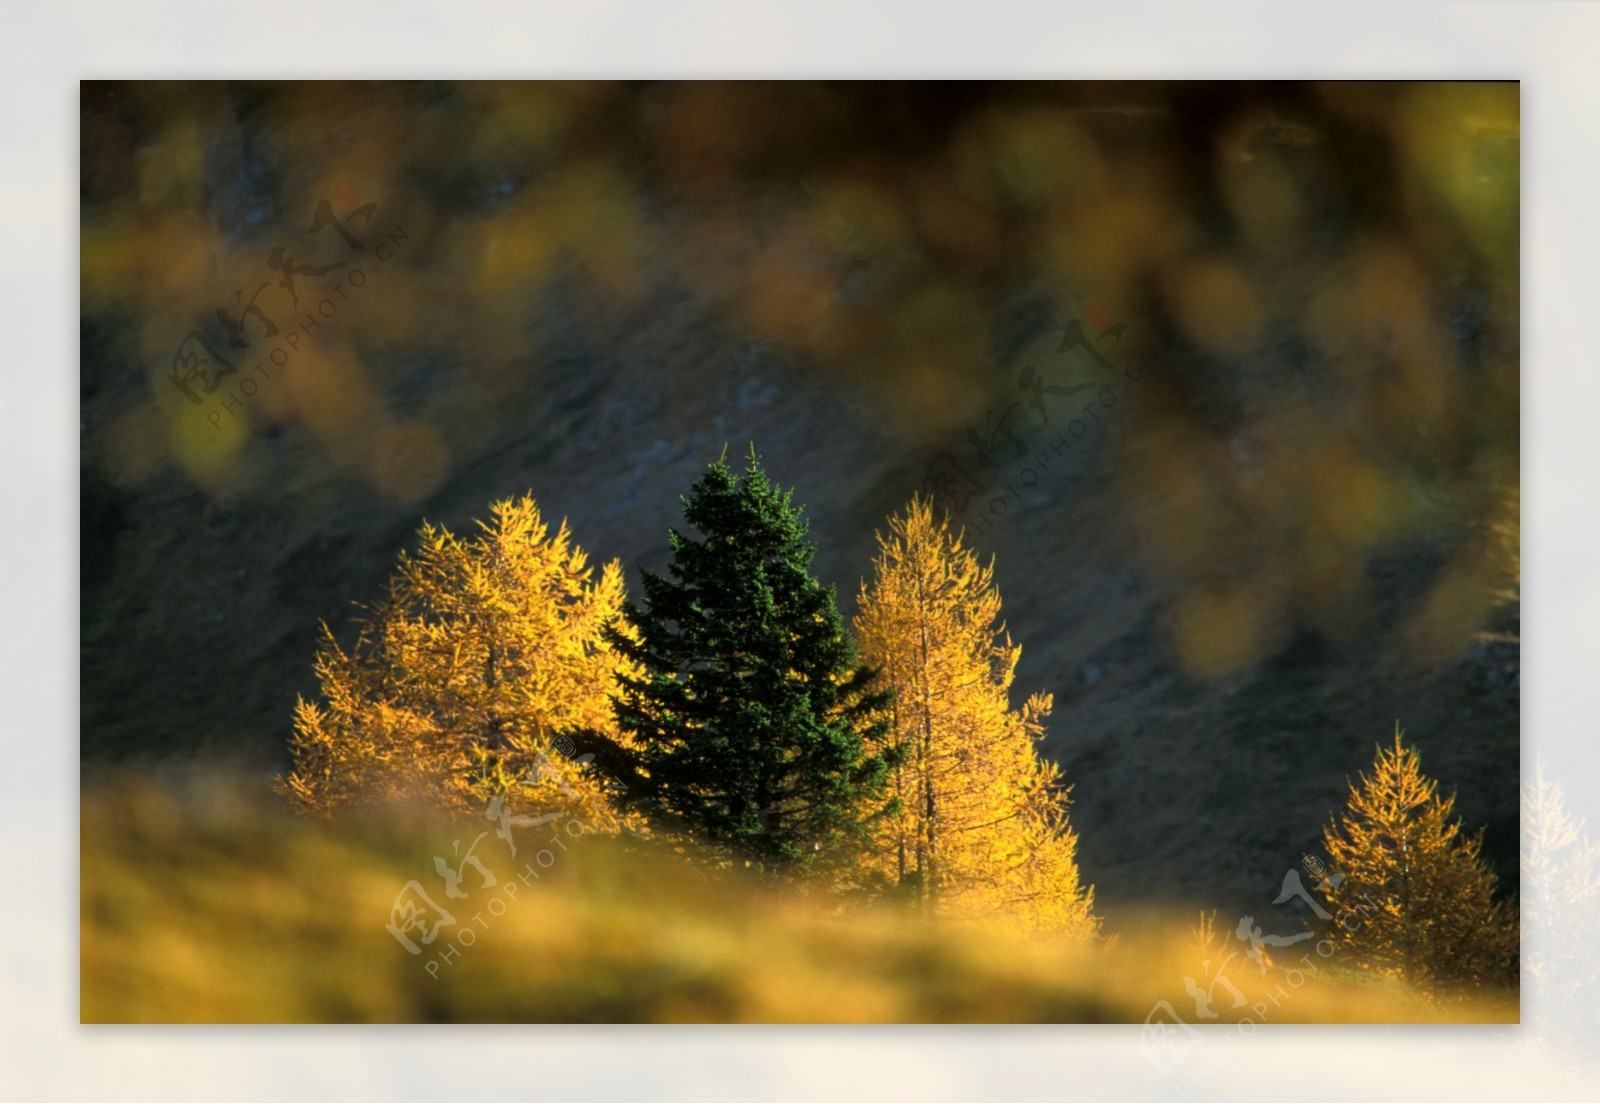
pixel 1270 546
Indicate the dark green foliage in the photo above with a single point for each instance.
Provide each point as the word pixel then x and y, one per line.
pixel 754 723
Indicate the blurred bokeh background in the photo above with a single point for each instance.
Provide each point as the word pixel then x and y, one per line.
pixel 1295 525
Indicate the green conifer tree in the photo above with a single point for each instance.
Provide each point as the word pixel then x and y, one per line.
pixel 757 730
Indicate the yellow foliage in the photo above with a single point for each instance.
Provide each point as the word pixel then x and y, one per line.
pixel 460 683
pixel 203 903
pixel 982 830
pixel 1415 900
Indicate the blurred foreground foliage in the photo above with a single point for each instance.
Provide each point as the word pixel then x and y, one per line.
pixel 560 278
pixel 203 900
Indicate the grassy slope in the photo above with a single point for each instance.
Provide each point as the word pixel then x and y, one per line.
pixel 203 903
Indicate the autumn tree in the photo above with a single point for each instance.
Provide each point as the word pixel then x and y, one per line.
pixel 483 651
pixel 982 829
pixel 1560 893
pixel 1416 900
pixel 757 730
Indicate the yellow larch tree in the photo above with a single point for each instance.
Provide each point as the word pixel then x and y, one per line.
pixel 981 830
pixel 462 680
pixel 1415 899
